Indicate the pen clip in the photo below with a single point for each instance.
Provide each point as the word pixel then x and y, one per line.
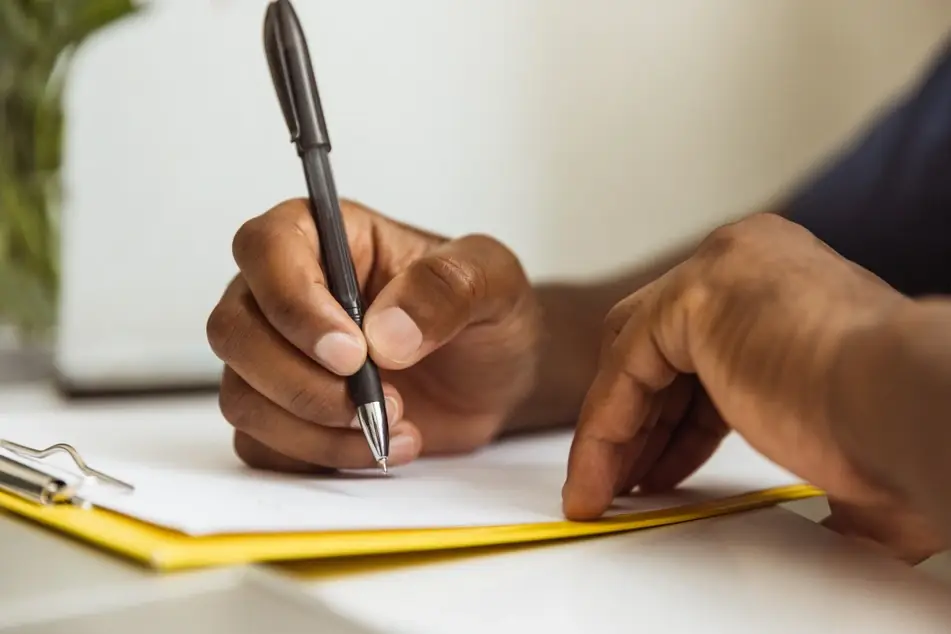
pixel 275 49
pixel 293 76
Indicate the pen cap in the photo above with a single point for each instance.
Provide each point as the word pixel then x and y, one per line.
pixel 289 61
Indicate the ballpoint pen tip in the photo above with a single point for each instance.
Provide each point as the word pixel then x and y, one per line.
pixel 382 463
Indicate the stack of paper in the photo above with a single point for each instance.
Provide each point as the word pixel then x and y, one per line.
pixel 195 504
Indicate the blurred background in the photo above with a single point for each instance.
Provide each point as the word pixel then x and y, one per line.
pixel 587 135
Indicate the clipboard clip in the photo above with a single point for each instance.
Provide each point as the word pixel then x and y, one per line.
pixel 28 480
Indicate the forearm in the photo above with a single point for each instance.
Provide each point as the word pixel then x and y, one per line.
pixel 567 355
pixel 891 404
pixel 572 319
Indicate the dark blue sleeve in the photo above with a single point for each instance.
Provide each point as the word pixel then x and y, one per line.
pixel 885 202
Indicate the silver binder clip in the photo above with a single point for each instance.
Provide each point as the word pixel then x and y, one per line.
pixel 33 483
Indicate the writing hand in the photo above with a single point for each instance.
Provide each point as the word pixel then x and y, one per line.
pixel 452 325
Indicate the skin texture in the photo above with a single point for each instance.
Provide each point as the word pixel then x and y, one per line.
pixel 761 330
pixel 452 324
pixel 901 433
pixel 754 333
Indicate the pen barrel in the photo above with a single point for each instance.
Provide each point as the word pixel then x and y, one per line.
pixel 364 385
pixel 332 235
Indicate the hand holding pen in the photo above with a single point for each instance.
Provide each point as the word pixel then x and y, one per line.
pixel 452 326
pixel 289 60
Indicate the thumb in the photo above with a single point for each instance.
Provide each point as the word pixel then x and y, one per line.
pixel 463 282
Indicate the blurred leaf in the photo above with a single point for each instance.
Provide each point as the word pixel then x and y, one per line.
pixel 24 301
pixel 93 15
pixel 37 39
pixel 18 26
pixel 48 124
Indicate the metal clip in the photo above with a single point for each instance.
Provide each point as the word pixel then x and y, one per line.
pixel 34 484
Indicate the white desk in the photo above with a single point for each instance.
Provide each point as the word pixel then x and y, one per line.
pixel 764 571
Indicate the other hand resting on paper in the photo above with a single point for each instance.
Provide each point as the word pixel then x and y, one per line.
pixel 819 364
pixel 452 324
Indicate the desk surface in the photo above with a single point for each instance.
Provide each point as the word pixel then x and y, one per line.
pixel 768 570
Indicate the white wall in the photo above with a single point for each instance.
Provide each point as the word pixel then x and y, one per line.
pixel 586 134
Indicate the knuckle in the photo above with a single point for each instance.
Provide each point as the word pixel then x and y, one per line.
pixel 232 404
pixel 248 451
pixel 287 312
pixel 292 216
pixel 615 320
pixel 291 207
pixel 309 403
pixel 766 220
pixel 454 279
pixel 615 354
pixel 237 408
pixel 690 300
pixel 622 312
pixel 223 330
pixel 256 455
pixel 727 239
pixel 503 259
pixel 484 242
pixel 721 240
pixel 502 278
pixel 350 207
pixel 247 241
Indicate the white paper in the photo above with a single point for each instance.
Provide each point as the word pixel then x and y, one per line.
pixel 179 457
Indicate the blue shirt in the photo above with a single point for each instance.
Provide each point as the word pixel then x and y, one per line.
pixel 885 201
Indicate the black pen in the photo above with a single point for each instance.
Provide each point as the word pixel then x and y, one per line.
pixel 293 75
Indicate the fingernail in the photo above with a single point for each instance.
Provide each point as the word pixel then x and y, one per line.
pixel 402 449
pixel 394 334
pixel 392 410
pixel 340 353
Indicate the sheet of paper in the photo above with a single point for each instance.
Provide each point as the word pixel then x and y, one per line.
pixel 179 457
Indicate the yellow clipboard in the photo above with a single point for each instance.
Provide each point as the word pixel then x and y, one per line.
pixel 46 499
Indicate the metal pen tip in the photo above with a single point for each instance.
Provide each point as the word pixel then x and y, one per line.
pixel 372 418
pixel 382 463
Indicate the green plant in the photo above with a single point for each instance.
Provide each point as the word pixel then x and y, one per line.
pixel 37 40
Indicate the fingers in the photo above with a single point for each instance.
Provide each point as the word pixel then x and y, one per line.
pixel 298 412
pixel 240 336
pixel 693 442
pixel 616 409
pixel 461 283
pixel 268 436
pixel 278 256
pixel 674 405
pixel 259 456
pixel 257 354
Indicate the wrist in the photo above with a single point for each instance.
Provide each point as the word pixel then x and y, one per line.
pixel 567 352
pixel 891 396
pixel 572 316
